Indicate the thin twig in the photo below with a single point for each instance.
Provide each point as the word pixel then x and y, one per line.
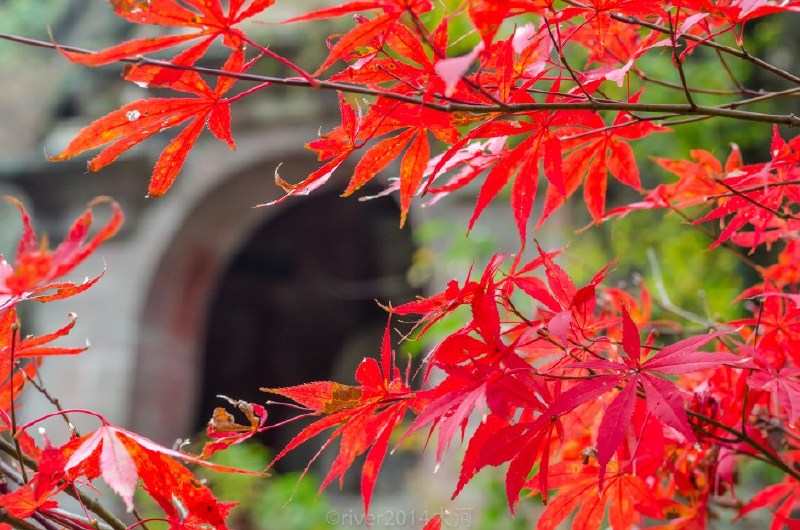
pixel 725 244
pixel 773 211
pixel 284 61
pixel 744 437
pixel 756 188
pixel 426 38
pixel 696 90
pixel 39 386
pixel 7 472
pixel 676 59
pixel 563 58
pixel 728 70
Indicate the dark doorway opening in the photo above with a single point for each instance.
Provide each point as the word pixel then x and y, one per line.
pixel 297 304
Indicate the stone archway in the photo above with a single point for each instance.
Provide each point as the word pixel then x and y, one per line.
pixel 216 236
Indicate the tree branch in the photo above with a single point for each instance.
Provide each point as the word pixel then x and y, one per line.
pixel 721 111
pixel 19 524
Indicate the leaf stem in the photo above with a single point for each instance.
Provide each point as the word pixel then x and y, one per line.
pixel 676 59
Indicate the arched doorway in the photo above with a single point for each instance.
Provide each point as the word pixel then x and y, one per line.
pixel 210 239
pixel 297 303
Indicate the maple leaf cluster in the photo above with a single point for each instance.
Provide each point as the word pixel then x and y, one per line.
pixel 511 109
pixel 573 389
pixel 124 460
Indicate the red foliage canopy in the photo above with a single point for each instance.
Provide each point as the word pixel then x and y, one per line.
pixel 580 406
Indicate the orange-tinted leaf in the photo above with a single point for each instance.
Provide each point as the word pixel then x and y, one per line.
pixel 172 158
pixel 255 7
pixel 219 123
pixel 377 158
pixel 166 480
pixel 130 48
pixel 487 15
pixel 357 36
pixel 23 503
pixel 364 417
pixel 311 182
pixel 321 396
pixel 36 267
pixel 412 169
pixel 129 125
pixel 206 17
pixel 137 121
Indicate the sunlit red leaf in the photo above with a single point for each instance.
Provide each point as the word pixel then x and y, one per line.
pixel 377 158
pixel 207 18
pixel 364 416
pixel 36 266
pixel 23 503
pixel 137 121
pixel 412 167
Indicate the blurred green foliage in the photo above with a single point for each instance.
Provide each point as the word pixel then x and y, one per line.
pixel 29 19
pixel 263 503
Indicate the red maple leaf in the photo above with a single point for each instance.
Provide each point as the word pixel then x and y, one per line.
pixel 333 147
pixel 412 166
pixel 785 384
pixel 30 347
pixel 596 154
pixel 137 121
pixel 205 16
pixel 663 397
pixel 122 459
pixel 384 117
pixel 568 311
pixel 36 267
pixel 541 143
pixel 368 29
pixel 785 496
pixel 779 323
pixel 364 416
pixel 627 496
pixel 758 195
pixel 23 503
pixel 598 13
pixel 697 181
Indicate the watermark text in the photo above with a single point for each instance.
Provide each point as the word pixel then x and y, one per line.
pixel 450 518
